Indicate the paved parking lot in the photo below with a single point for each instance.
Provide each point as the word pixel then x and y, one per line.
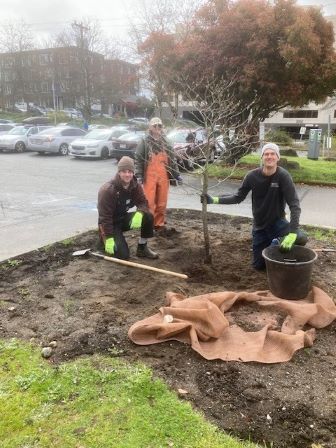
pixel 46 198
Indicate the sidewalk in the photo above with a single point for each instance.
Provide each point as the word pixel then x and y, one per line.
pixel 317 204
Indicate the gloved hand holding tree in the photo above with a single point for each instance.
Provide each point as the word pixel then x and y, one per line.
pixel 209 199
pixel 136 220
pixel 110 246
pixel 288 242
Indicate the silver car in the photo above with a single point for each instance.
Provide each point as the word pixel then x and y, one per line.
pixel 56 140
pixel 17 138
pixel 97 143
pixel 5 128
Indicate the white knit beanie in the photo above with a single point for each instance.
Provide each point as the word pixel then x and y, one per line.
pixel 272 147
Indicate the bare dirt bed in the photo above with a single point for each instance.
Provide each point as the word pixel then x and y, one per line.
pixel 87 305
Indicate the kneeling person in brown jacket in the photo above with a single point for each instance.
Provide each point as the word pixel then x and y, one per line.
pixel 115 199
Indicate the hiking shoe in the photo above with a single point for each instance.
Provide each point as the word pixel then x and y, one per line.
pixel 143 251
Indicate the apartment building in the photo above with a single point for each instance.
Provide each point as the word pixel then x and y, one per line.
pixel 310 116
pixel 62 77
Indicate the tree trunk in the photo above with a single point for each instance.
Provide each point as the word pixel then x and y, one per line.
pixel 205 182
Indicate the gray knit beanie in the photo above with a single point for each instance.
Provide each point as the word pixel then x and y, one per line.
pixel 272 147
pixel 126 163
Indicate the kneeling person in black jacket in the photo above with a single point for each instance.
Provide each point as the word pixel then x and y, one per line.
pixel 272 189
pixel 115 199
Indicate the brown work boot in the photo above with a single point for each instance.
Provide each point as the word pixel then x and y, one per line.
pixel 143 251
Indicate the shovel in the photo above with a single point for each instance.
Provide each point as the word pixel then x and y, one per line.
pixel 324 250
pixel 84 252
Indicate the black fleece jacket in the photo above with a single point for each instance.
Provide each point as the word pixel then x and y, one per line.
pixel 270 194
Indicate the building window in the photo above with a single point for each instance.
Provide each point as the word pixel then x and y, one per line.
pixel 44 87
pixel 8 62
pixel 300 113
pixel 44 59
pixel 62 59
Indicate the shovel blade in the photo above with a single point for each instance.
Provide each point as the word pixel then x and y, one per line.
pixel 80 253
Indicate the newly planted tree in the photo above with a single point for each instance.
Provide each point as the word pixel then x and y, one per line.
pixel 228 134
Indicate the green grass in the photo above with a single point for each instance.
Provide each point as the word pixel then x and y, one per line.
pixel 319 172
pixel 67 242
pixel 94 402
pixel 327 236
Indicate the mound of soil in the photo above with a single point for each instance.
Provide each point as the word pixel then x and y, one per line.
pixel 87 305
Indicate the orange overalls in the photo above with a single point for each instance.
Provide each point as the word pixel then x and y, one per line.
pixel 156 185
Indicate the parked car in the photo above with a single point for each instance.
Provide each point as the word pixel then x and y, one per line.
pixel 97 144
pixel 139 120
pixel 126 144
pixel 72 112
pixel 55 139
pixel 190 146
pixel 17 138
pixel 5 128
pixel 97 126
pixel 37 121
pixel 4 121
pixel 119 130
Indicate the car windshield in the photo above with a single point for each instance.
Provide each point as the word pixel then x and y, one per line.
pixel 181 135
pixel 118 132
pixel 178 136
pixel 132 136
pixel 98 134
pixel 18 130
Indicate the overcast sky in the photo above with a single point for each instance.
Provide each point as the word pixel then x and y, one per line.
pixel 49 17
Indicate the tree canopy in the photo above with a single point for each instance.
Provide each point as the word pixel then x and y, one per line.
pixel 279 53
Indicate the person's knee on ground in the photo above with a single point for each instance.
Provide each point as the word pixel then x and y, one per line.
pixel 302 238
pixel 122 252
pixel 258 263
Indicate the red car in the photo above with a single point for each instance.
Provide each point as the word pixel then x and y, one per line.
pixel 190 146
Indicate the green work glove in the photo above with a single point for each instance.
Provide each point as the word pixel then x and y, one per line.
pixel 288 242
pixel 136 220
pixel 109 246
pixel 209 199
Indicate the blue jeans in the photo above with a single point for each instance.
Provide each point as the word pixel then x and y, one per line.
pixel 263 238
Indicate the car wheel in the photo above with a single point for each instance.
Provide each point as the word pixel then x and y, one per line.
pixel 104 154
pixel 63 149
pixel 20 147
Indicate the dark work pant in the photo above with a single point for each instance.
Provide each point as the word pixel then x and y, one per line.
pixel 146 231
pixel 263 238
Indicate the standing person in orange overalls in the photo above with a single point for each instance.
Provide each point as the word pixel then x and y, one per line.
pixel 155 165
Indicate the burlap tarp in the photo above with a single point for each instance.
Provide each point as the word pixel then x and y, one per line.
pixel 209 324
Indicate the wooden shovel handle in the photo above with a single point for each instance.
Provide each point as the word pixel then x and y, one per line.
pixel 143 266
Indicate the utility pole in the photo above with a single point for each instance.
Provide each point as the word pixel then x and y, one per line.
pixel 84 61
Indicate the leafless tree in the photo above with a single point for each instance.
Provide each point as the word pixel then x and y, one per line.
pixel 216 107
pixel 160 17
pixel 164 16
pixel 87 36
pixel 16 37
